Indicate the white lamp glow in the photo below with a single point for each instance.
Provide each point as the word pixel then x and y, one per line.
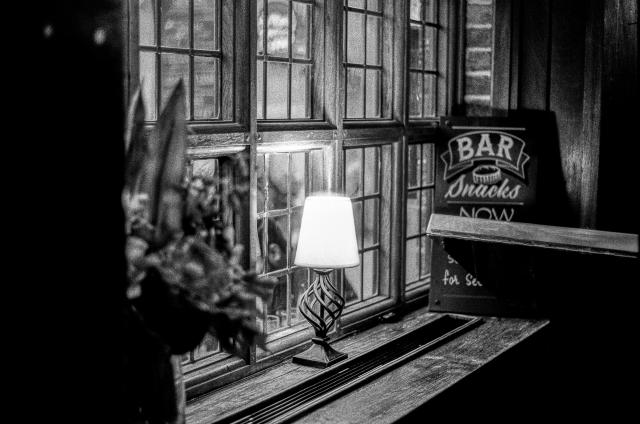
pixel 327 237
pixel 327 241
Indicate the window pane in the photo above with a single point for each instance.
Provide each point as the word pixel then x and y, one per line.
pixel 355 93
pixel 353 172
pixel 277 90
pixel 296 219
pixel 373 93
pixel 416 10
pixel 357 218
pixel 260 26
pixel 317 171
pixel 415 46
pixel 425 252
pixel 299 283
pixel 205 168
pixel 425 209
pixel 278 28
pixel 370 273
pixel 260 88
pixel 413 163
pixel 205 24
pixel 352 283
pixel 412 260
pixel 355 39
pixel 356 3
pixel 427 164
pixel 413 212
pixel 373 5
pixel 147 29
pixel 277 308
pixel 261 179
pixel 278 172
pixel 175 23
pixel 370 222
pixel 208 346
pixel 174 67
pixel 371 164
pixel 301 27
pixel 415 94
pixel 277 235
pixel 148 83
pixel 429 48
pixel 429 11
pixel 300 102
pixel 429 95
pixel 206 75
pixel 373 40
pixel 297 178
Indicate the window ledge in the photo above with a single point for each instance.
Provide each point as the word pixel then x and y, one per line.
pixel 414 383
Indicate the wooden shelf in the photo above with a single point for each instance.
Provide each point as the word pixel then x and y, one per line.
pixel 534 235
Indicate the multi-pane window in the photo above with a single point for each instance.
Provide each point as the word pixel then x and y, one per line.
pixel 366 182
pixel 180 39
pixel 285 59
pixel 208 169
pixel 301 77
pixel 284 180
pixel 363 25
pixel 423 66
pixel 478 62
pixel 420 192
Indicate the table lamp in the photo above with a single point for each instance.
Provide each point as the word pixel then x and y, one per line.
pixel 327 241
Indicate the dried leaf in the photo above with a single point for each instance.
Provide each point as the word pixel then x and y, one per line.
pixel 135 142
pixel 165 166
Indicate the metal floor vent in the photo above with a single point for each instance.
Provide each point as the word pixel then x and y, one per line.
pixel 351 373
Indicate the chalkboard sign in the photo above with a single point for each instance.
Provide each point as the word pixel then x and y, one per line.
pixel 486 168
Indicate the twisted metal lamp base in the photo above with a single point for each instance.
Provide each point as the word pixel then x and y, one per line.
pixel 321 304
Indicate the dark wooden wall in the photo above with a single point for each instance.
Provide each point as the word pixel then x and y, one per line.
pixel 578 59
pixel 71 241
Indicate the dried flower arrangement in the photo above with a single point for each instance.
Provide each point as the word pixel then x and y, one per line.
pixel 180 233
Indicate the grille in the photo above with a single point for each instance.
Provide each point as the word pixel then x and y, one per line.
pixel 352 373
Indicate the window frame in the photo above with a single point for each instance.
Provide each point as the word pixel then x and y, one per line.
pixel 333 133
pixel 448 63
pixel 389 17
pixel 234 69
pixel 322 86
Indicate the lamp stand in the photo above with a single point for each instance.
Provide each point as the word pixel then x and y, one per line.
pixel 321 305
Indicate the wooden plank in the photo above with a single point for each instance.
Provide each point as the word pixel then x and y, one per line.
pixel 263 384
pixel 534 235
pixel 424 377
pixel 501 56
pixel 533 84
pixel 620 111
pixel 591 114
pixel 566 91
pixel 404 389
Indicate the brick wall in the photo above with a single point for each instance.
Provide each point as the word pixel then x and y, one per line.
pixel 478 57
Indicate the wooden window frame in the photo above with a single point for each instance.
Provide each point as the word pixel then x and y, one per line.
pixel 388 15
pixel 333 133
pixel 234 69
pixel 446 27
pixel 416 287
pixel 322 85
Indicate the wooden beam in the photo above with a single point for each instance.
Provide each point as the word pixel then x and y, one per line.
pixel 534 235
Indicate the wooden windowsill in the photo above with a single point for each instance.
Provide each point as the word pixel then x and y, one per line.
pixel 392 395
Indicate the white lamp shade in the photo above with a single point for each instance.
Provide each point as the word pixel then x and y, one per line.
pixel 327 236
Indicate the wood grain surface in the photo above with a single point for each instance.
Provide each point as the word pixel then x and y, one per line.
pixel 394 394
pixel 546 236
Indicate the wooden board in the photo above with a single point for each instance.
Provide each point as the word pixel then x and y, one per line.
pixel 486 168
pixel 534 235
